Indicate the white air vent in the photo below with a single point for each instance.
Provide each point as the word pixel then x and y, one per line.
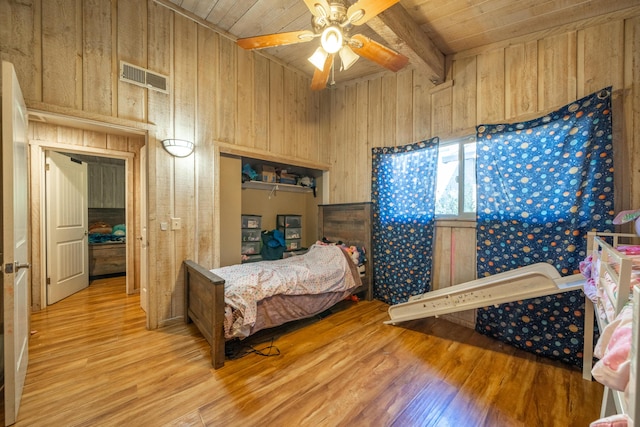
pixel 141 77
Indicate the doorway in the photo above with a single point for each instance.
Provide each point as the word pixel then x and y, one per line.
pixel 98 221
pixel 106 208
pixel 88 139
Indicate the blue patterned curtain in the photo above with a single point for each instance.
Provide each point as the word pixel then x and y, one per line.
pixel 542 185
pixel 403 202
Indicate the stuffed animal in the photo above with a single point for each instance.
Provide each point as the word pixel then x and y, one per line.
pixel 119 230
pixel 626 216
pixel 355 255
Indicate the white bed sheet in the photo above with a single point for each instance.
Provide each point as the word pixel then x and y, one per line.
pixel 324 269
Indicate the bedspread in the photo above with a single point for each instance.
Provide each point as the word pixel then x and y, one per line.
pixel 322 270
pixel 613 348
pixel 596 292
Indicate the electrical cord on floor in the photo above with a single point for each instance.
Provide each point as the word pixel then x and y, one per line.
pixel 244 349
pixel 238 349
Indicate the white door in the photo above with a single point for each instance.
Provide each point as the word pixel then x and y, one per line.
pixel 67 246
pixel 144 251
pixel 15 238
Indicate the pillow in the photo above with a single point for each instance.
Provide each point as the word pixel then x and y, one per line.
pixel 100 227
pixel 119 230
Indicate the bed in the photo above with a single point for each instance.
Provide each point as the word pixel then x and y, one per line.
pixel 612 270
pixel 107 244
pixel 216 300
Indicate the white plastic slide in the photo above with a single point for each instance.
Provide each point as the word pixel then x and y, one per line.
pixel 532 281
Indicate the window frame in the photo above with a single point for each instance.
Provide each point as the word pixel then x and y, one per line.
pixel 461 142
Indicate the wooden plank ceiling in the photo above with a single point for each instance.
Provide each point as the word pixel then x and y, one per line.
pixel 423 30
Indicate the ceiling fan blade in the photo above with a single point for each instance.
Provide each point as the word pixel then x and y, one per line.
pixel 279 39
pixel 318 7
pixel 320 78
pixel 363 10
pixel 378 53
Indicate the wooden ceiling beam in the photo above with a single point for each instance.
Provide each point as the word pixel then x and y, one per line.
pixel 403 34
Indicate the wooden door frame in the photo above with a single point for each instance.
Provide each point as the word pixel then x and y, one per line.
pixel 37 165
pixel 129 211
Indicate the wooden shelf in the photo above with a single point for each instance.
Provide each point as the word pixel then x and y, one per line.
pixel 276 186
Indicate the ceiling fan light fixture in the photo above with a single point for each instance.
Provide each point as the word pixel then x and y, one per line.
pixel 332 39
pixel 321 11
pixel 356 16
pixel 332 22
pixel 318 58
pixel 348 57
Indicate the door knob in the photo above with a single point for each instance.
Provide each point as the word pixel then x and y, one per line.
pixel 22 265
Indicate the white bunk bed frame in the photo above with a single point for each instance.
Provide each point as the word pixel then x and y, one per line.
pixel 613 401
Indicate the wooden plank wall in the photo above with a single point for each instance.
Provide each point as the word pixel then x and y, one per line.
pixel 508 82
pixel 67 54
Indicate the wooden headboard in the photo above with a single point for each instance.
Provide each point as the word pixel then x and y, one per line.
pixel 351 224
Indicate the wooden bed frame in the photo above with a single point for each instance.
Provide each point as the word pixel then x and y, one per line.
pixel 204 305
pixel 204 291
pixel 351 224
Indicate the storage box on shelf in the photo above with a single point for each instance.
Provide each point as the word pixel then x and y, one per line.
pixel 286 221
pixel 251 234
pixel 291 227
pixel 250 248
pixel 293 244
pixel 266 173
pixel 287 178
pixel 292 233
pixel 252 221
pixel 252 258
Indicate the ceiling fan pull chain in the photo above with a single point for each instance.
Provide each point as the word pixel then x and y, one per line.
pixel 333 73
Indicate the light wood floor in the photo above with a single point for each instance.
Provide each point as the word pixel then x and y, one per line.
pixel 93 363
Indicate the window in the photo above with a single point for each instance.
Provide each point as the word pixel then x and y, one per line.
pixel 456 197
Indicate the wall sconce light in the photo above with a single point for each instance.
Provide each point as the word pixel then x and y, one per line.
pixel 178 147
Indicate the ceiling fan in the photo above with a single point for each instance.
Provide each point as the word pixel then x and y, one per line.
pixel 332 21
